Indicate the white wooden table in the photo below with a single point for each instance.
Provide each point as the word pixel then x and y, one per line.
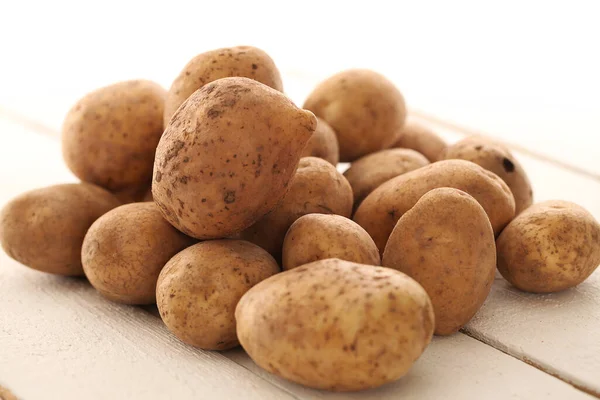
pixel 60 340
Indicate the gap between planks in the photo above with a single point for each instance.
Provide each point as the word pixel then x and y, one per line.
pixel 427 118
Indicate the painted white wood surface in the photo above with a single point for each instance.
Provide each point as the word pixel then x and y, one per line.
pixel 59 339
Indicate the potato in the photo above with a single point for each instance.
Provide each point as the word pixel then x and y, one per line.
pixel 381 210
pixel 364 109
pixel 316 237
pixel 446 243
pixel 317 187
pixel 323 144
pixel 549 247
pixel 199 288
pixel 370 171
pixel 124 251
pixel 498 159
pixel 44 228
pixel 418 137
pixel 109 137
pixel 227 156
pixel 336 325
pixel 244 61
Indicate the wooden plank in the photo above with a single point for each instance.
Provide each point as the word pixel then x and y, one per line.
pixel 554 331
pixel 455 367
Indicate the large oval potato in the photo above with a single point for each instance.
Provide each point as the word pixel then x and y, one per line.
pixel 199 288
pixel 381 210
pixel 364 109
pixel 549 247
pixel 498 159
pixel 370 171
pixel 323 144
pixel 109 137
pixel 227 156
pixel 317 187
pixel 446 243
pixel 44 228
pixel 124 251
pixel 245 61
pixel 418 137
pixel 336 325
pixel 316 237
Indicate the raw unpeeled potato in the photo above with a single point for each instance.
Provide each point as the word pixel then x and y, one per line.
pixel 370 171
pixel 549 247
pixel 317 187
pixel 323 144
pixel 364 109
pixel 446 243
pixel 44 228
pixel 336 325
pixel 109 137
pixel 244 61
pixel 227 156
pixel 498 159
pixel 316 237
pixel 418 137
pixel 381 210
pixel 125 250
pixel 199 288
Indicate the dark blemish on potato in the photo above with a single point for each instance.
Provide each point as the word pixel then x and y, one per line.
pixel 204 200
pixel 183 179
pixel 181 204
pixel 254 66
pixel 212 113
pixel 478 147
pixel 227 161
pixel 158 176
pixel 172 295
pixel 169 193
pixel 186 159
pixel 392 213
pixel 508 165
pixel 173 151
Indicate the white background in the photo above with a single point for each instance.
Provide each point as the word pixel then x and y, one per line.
pixel 525 71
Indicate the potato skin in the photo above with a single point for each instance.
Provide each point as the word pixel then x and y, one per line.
pixel 446 243
pixel 317 187
pixel 200 287
pixel 124 251
pixel 418 137
pixel 109 137
pixel 381 210
pixel 498 159
pixel 336 325
pixel 316 237
pixel 245 61
pixel 551 246
pixel 227 156
pixel 370 171
pixel 364 109
pixel 323 144
pixel 44 228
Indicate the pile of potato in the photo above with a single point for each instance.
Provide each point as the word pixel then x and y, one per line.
pixel 198 197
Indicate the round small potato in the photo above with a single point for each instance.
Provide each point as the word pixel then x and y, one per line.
pixel 549 247
pixel 244 61
pixel 125 250
pixel 418 137
pixel 380 211
pixel 323 144
pixel 109 137
pixel 317 187
pixel 370 171
pixel 227 157
pixel 199 288
pixel 44 228
pixel 336 325
pixel 364 109
pixel 446 243
pixel 498 159
pixel 316 237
